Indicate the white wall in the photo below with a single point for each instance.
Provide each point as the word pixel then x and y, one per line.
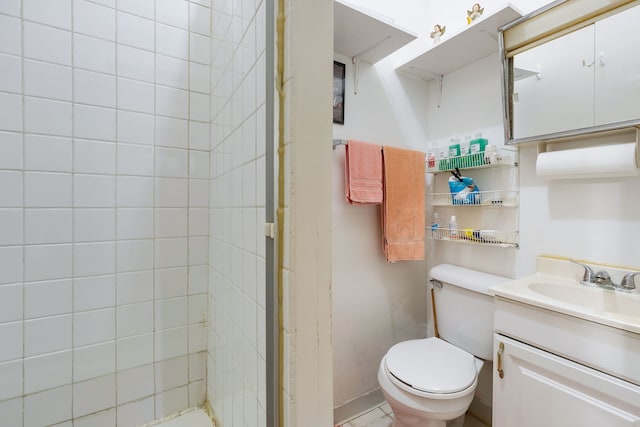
pixel 236 328
pixel 103 197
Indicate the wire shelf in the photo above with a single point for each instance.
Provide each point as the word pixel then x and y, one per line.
pixel 479 237
pixel 498 198
pixel 500 158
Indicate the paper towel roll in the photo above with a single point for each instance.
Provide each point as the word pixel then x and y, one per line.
pixel 593 162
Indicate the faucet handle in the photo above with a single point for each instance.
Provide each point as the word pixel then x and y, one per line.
pixel 589 275
pixel 628 281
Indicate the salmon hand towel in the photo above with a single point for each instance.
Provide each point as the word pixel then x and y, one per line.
pixel 363 173
pixel 403 224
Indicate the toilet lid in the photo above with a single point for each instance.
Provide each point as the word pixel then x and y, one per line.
pixel 431 365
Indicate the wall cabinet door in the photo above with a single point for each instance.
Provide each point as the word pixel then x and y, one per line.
pixel 539 389
pixel 617 67
pixel 557 92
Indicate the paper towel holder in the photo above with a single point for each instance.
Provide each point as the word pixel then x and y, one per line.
pixel 543 145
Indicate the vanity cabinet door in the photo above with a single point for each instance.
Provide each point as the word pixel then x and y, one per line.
pixel 539 389
pixel 556 92
pixel 617 67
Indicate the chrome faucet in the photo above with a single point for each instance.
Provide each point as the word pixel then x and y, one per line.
pixel 628 281
pixel 604 280
pixel 589 277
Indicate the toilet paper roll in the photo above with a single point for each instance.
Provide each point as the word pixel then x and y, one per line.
pixel 593 162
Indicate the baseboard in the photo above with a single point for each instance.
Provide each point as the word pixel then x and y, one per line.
pixel 357 406
pixel 481 411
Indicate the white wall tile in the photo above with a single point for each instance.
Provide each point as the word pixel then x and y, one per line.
pixel 94 20
pixel 198 136
pixel 100 419
pixel 94 157
pixel 11 150
pixel 171 373
pixel 199 193
pixel 94 122
pixel 136 413
pixel 47 371
pixel 93 259
pixel 94 361
pixel 198 250
pixel 173 192
pixel 134 351
pixel 47 116
pixel 135 223
pixel 11 412
pixel 200 19
pixel 172 41
pixel 135 128
pixel 44 189
pixel 170 401
pixel 94 225
pixel 10 73
pixel 93 327
pixel 144 8
pixel 198 222
pixel 49 298
pixel 135 319
pixel 198 305
pixel 11 189
pixel 170 252
pixel 171 313
pixel 11 264
pixel 52 12
pixel 171 132
pixel 135 159
pixel 90 293
pixel 11 374
pixel 47 335
pixel 10 303
pixel 172 72
pixel 135 287
pixel 47 80
pixel 198 279
pixel 46 262
pixel 200 49
pixel 134 255
pixel 135 383
pixel 136 96
pixel 198 338
pixel 135 63
pixel 135 31
pixel 94 395
pixel 94 191
pixel 108 3
pixel 172 102
pixel 171 282
pixel 48 407
pixel 198 164
pixel 199 78
pixel 94 88
pixel 11 221
pixel 171 343
pixel 48 153
pixel 10 7
pixel 175 13
pixel 135 191
pixel 10 35
pixel 171 222
pixel 47 43
pixel 94 54
pixel 198 106
pixel 171 163
pixel 10 112
pixel 197 366
pixel 11 338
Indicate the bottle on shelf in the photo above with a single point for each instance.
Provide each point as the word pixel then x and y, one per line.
pixel 453 227
pixel 435 225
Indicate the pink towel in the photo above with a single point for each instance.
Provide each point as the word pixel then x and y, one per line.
pixel 403 225
pixel 363 173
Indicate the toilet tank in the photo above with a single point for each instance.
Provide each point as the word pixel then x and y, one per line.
pixel 464 307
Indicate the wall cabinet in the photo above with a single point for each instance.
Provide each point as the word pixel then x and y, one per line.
pixel 583 80
pixel 541 389
pixel 487 217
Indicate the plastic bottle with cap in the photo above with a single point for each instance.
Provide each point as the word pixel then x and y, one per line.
pixel 453 227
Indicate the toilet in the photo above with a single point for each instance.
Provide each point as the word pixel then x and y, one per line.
pixel 431 382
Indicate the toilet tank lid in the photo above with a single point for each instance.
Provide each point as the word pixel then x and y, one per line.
pixel 467 278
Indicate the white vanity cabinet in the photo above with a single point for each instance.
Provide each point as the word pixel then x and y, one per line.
pixel 540 389
pixel 551 369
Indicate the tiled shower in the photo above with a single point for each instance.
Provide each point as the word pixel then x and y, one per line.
pixel 131 196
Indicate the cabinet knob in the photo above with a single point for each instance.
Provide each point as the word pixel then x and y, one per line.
pixel 499 359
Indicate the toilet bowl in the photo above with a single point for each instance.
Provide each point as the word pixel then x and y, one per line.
pixel 428 382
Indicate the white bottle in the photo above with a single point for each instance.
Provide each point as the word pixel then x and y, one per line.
pixel 435 225
pixel 453 227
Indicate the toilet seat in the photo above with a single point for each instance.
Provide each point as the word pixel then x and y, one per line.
pixel 430 367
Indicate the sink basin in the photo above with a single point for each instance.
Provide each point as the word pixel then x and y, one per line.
pixel 601 300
